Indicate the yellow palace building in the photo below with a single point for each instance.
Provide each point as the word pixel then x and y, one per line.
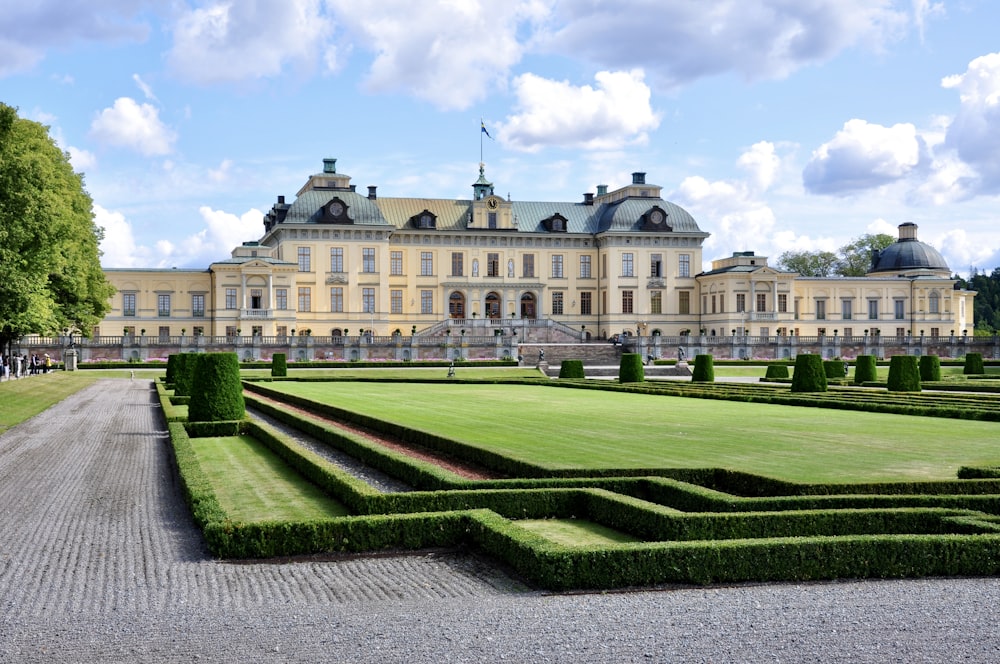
pixel 335 262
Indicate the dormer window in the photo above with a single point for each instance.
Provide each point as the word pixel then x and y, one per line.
pixel 335 212
pixel 555 224
pixel 656 220
pixel 424 220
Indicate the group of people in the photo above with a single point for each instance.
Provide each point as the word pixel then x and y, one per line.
pixel 19 366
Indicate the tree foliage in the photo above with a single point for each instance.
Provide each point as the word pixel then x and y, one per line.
pixel 50 273
pixel 851 260
pixel 986 304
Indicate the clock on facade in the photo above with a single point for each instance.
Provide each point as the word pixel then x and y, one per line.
pixel 493 202
pixel 656 217
pixel 336 209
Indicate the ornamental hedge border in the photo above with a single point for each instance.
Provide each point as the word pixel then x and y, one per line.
pixel 698 526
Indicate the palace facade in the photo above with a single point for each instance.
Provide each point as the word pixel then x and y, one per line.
pixel 335 262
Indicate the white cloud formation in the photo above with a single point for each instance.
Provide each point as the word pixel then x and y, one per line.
pixel 762 39
pixel 617 112
pixel 761 163
pixel 82 160
pixel 923 10
pixel 731 210
pixel 975 132
pixel 31 28
pixel 863 156
pixel 448 53
pixel 118 247
pixel 134 126
pixel 227 41
pixel 144 87
pixel 222 232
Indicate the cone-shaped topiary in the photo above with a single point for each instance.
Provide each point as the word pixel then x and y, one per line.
pixel 571 369
pixel 776 371
pixel 833 369
pixel 865 369
pixel 809 374
pixel 904 374
pixel 216 392
pixel 630 369
pixel 973 364
pixel 183 373
pixel 930 368
pixel 704 369
pixel 279 365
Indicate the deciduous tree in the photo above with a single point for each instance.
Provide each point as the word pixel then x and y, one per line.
pixel 50 272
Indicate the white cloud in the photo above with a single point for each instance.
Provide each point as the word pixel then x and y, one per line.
pixel 765 39
pixel 82 160
pixel 729 208
pixel 221 174
pixel 118 247
pixel 31 28
pixel 761 163
pixel 236 41
pixel 975 132
pixel 614 113
pixel 222 231
pixel 146 90
pixel 448 53
pixel 134 126
pixel 863 156
pixel 923 10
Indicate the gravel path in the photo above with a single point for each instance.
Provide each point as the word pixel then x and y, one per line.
pixel 99 562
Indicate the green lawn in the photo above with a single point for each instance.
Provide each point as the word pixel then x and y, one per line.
pixel 566 428
pixel 252 484
pixel 347 371
pixel 24 398
pixel 576 532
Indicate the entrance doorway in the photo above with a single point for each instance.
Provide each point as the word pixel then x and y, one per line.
pixel 528 308
pixel 492 305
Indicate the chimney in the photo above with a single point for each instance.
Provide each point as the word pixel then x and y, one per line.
pixel 602 190
pixel 371 192
pixel 907 231
pixel 281 200
pixel 588 199
pixel 329 165
pixel 638 178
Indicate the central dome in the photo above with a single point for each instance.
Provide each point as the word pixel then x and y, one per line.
pixel 908 253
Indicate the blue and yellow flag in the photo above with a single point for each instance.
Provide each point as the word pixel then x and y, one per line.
pixel 482 126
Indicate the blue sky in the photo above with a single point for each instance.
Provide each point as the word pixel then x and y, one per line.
pixel 781 125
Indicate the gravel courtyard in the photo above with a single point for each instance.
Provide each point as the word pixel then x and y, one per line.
pixel 100 562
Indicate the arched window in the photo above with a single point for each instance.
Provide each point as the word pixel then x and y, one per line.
pixel 934 302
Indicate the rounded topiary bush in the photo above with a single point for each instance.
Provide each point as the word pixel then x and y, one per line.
pixel 904 374
pixel 930 368
pixel 809 375
pixel 571 369
pixel 865 369
pixel 834 369
pixel 974 364
pixel 279 365
pixel 183 373
pixel 776 371
pixel 216 392
pixel 630 369
pixel 704 369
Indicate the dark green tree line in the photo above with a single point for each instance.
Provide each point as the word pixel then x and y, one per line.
pixel 987 301
pixel 50 273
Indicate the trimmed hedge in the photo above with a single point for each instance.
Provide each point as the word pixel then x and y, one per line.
pixel 865 369
pixel 834 369
pixel 904 374
pixel 930 368
pixel 279 365
pixel 776 371
pixel 974 364
pixel 630 369
pixel 571 369
pixel 216 393
pixel 183 375
pixel 809 376
pixel 704 369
